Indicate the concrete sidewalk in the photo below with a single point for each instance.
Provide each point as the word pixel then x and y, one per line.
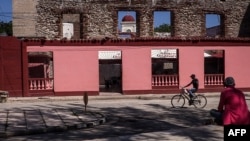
pixel 15 122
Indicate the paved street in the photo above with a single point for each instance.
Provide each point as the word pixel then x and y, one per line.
pixel 129 118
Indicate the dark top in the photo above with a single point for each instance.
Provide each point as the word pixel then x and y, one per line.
pixel 195 83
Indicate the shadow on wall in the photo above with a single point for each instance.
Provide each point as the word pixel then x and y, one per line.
pixel 244 26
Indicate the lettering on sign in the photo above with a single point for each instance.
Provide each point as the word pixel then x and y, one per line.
pixel 236 132
pixel 164 53
pixel 117 56
pixel 109 55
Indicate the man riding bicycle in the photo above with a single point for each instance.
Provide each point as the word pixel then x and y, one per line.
pixel 195 83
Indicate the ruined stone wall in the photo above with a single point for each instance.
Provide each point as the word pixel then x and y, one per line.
pixel 24 18
pixel 99 18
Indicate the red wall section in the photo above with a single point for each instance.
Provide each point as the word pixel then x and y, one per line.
pixel 11 66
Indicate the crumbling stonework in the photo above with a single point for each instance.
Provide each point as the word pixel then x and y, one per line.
pixel 99 18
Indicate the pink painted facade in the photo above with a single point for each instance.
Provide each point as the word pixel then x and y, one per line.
pixel 191 61
pixel 136 68
pixel 237 65
pixel 38 67
pixel 76 69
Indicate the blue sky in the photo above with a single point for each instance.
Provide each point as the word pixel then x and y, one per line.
pixel 6 10
pixel 159 17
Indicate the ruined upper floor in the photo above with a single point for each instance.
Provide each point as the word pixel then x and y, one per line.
pixel 99 18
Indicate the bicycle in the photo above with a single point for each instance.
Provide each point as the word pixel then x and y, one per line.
pixel 199 100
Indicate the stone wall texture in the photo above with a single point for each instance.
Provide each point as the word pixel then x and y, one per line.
pixel 99 18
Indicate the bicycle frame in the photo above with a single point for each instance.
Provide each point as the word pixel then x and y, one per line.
pixel 185 93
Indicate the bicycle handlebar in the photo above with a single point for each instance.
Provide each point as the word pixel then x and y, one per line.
pixel 183 89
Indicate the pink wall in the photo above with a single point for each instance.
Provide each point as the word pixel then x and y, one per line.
pixel 191 61
pixel 238 65
pixel 136 68
pixel 76 71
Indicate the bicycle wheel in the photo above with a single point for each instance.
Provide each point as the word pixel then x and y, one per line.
pixel 200 101
pixel 177 101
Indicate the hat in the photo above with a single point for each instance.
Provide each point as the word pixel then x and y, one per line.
pixel 229 81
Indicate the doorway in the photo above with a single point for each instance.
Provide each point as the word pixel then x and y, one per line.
pixel 110 72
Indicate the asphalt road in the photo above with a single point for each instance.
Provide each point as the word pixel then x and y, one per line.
pixel 131 120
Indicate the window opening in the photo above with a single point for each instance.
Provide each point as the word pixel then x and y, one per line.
pixel 164 67
pixel 127 24
pixel 162 23
pixel 214 67
pixel 40 69
pixel 71 26
pixel 213 25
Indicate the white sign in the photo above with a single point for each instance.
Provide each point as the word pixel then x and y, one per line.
pixel 68 30
pixel 109 54
pixel 164 53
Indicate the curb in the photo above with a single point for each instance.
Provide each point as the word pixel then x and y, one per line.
pixel 102 97
pixel 99 97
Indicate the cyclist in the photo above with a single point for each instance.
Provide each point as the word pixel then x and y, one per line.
pixel 195 83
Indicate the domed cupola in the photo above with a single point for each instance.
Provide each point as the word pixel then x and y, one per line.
pixel 128 18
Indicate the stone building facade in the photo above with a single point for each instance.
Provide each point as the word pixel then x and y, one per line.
pixel 99 18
